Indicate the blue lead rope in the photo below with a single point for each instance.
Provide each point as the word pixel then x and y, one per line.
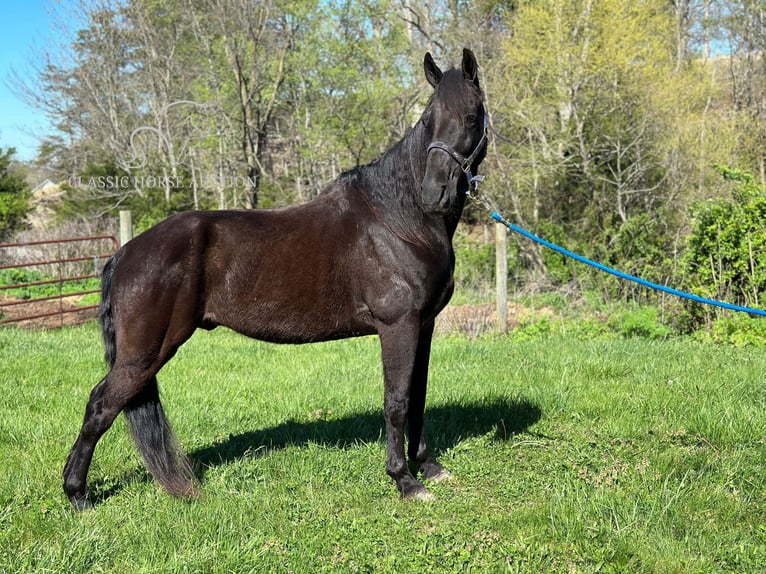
pixel 499 218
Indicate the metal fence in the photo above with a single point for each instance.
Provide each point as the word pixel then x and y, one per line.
pixel 59 263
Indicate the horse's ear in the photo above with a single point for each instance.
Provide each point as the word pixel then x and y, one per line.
pixel 433 73
pixel 470 67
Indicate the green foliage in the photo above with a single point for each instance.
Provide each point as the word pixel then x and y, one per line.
pixel 353 89
pixel 738 329
pixel 15 196
pixel 101 187
pixel 560 267
pixel 607 124
pixel 152 206
pixel 91 193
pixel 639 322
pixel 474 268
pixel 542 320
pixel 533 328
pixel 586 128
pixel 17 276
pixel 726 250
pixel 641 247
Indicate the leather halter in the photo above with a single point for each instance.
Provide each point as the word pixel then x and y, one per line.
pixel 465 162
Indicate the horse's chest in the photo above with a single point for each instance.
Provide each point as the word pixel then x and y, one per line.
pixel 420 281
pixel 443 289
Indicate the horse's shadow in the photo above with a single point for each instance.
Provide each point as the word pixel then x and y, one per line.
pixel 447 426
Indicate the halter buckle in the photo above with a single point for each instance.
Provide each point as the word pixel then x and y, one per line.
pixel 473 185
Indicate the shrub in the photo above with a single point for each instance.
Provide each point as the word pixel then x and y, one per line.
pixel 739 330
pixel 726 250
pixel 639 322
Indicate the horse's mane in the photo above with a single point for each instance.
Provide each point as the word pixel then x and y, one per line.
pixel 390 184
pixel 393 183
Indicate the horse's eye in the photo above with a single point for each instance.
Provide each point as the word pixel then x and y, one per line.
pixel 470 120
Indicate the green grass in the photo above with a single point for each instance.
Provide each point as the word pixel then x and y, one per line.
pixel 570 454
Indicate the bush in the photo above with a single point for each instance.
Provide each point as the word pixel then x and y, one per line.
pixel 739 330
pixel 16 276
pixel 726 251
pixel 639 322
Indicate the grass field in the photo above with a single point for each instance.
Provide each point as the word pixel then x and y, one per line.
pixel 570 454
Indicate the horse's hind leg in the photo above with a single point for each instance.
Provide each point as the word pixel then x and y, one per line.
pixel 133 390
pixel 106 401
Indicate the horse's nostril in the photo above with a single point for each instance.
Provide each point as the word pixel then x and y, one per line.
pixel 444 196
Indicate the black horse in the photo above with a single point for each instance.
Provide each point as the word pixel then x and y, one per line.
pixel 371 254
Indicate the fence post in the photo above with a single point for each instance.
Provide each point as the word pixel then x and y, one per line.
pixel 126 226
pixel 501 277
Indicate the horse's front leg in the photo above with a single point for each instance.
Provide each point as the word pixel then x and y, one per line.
pixel 399 344
pixel 417 449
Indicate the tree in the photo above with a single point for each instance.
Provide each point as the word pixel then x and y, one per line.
pixel 355 95
pixel 178 89
pixel 15 196
pixel 256 40
pixel 584 100
pixel 744 27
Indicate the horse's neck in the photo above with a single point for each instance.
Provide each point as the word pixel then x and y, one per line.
pixel 404 162
pixel 395 179
pixel 416 143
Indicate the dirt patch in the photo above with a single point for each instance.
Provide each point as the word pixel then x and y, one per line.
pixel 51 314
pixel 475 320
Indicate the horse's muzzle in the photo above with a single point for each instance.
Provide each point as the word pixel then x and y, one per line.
pixel 438 193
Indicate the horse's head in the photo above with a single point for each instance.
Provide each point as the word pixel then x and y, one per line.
pixel 456 124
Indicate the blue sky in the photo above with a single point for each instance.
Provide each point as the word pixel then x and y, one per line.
pixel 25 27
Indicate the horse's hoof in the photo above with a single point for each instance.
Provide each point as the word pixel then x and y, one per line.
pixel 81 503
pixel 423 496
pixel 442 476
pixel 434 472
pixel 420 494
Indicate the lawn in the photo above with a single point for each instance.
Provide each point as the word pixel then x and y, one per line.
pixel 570 454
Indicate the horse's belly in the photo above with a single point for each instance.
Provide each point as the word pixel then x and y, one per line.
pixel 291 324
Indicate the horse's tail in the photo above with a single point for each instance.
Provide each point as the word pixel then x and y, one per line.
pixel 158 445
pixel 105 310
pixel 148 424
